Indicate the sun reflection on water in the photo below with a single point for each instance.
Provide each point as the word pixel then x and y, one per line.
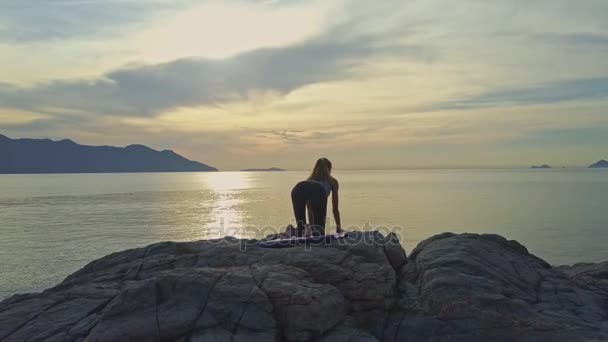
pixel 227 213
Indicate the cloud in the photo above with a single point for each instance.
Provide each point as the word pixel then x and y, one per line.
pixel 581 40
pixel 353 74
pixel 147 90
pixel 41 20
pixel 284 135
pixel 545 93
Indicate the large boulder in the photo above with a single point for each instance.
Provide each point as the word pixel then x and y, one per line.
pixel 225 289
pixel 465 287
pixel 485 287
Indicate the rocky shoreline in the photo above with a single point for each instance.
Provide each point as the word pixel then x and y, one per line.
pixel 464 287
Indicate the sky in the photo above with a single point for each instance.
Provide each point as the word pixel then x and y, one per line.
pixel 259 83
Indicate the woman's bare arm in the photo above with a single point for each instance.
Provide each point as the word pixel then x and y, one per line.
pixel 335 206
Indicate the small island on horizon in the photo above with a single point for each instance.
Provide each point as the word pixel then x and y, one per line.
pixel 599 165
pixel 268 169
pixel 544 166
pixel 36 156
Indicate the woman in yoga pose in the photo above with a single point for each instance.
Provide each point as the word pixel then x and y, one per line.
pixel 312 194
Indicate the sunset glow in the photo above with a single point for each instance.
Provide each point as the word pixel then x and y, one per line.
pixel 235 84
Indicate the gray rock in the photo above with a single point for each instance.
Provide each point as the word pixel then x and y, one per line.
pixel 394 252
pixel 484 287
pixel 361 288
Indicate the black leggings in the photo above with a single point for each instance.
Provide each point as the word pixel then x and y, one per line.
pixel 313 192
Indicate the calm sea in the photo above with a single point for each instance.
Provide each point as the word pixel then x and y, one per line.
pixel 52 225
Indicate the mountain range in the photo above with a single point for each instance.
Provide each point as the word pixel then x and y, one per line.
pixel 66 156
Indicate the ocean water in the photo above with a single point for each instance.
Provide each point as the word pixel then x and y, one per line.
pixel 52 225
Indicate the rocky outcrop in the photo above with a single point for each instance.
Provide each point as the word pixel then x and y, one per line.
pixel 480 287
pixel 362 288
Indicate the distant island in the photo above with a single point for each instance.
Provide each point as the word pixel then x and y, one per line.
pixel 66 156
pixel 544 166
pixel 269 169
pixel 599 165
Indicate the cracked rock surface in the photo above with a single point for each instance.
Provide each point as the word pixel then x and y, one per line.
pixel 465 287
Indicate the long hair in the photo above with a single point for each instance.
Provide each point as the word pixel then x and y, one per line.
pixel 321 171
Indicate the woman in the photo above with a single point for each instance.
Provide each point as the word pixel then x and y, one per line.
pixel 312 194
